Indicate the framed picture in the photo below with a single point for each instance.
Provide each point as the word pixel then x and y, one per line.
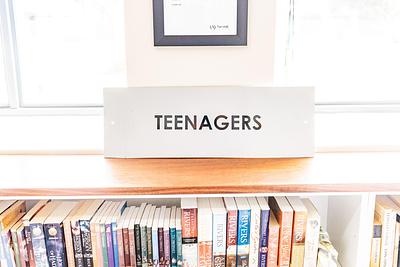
pixel 200 22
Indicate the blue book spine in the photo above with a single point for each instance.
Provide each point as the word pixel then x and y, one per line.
pixel 173 246
pixel 154 241
pixel 264 238
pixel 39 245
pixel 243 242
pixel 179 247
pixel 115 243
pixel 55 245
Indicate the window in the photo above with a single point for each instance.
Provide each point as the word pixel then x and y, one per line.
pixel 350 50
pixel 68 51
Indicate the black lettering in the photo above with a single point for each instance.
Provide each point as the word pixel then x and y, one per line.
pixel 245 122
pixel 178 122
pixel 158 117
pixel 167 121
pixel 205 123
pixel 192 123
pixel 235 121
pixel 256 120
pixel 224 125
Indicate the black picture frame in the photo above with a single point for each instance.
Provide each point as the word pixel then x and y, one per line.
pixel 160 39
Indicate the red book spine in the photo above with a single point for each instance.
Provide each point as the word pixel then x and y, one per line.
pixel 231 238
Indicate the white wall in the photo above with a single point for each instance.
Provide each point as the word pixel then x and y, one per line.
pixel 166 66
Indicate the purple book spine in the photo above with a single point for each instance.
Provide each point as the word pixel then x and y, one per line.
pixel 264 238
pixel 161 246
pixel 167 248
pixel 110 248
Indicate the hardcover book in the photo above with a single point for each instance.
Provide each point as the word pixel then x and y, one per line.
pixel 284 214
pixel 167 240
pixel 376 243
pixel 299 231
pixel 38 238
pixel 218 232
pixel 312 234
pixel 189 232
pixel 54 235
pixel 178 224
pixel 254 231
pixel 231 231
pixel 264 225
pixel 273 241
pixel 243 238
pixel 205 226
pixel 172 233
pixel 387 211
pixel 84 223
pixel 154 237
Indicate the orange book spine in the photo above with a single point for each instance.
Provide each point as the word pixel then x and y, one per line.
pixel 273 244
pixel 205 254
pixel 285 238
pixel 298 238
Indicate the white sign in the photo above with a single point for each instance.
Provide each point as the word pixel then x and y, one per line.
pixel 249 122
pixel 200 17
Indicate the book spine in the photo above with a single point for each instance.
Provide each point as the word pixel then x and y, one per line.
pixel 132 247
pixel 127 258
pixel 69 250
pixel 254 238
pixel 154 241
pixel 262 262
pixel 189 237
pixel 23 253
pixel 39 245
pixel 205 254
pixel 298 238
pixel 115 243
pixel 93 238
pixel 243 241
pixel 138 245
pixel 219 240
pixel 77 243
pixel 99 245
pixel 87 246
pixel 285 239
pixel 231 238
pixel 55 245
pixel 104 244
pixel 8 248
pixel 179 248
pixel 167 248
pixel 110 248
pixel 311 243
pixel 149 246
pixel 29 246
pixel 121 253
pixel 273 245
pixel 172 234
pixel 14 239
pixel 388 230
pixel 143 245
pixel 161 246
pixel 376 246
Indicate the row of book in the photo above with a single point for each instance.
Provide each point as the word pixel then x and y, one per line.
pixel 385 250
pixel 204 232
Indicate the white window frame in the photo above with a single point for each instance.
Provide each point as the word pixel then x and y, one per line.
pixel 49 130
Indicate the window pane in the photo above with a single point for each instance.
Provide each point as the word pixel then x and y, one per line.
pixel 348 49
pixel 69 50
pixel 3 86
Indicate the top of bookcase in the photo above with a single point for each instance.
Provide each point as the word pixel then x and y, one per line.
pixel 92 175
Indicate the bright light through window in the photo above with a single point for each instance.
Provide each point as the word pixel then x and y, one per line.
pixel 3 88
pixel 350 50
pixel 69 50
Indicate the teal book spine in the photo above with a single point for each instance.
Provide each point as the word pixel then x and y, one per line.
pixel 172 233
pixel 179 248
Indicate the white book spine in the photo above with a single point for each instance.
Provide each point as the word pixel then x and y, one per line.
pixel 388 237
pixel 311 242
pixel 219 239
pixel 254 237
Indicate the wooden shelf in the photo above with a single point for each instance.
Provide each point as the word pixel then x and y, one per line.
pixel 78 175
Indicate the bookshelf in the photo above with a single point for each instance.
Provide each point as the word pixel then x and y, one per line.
pixel 343 186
